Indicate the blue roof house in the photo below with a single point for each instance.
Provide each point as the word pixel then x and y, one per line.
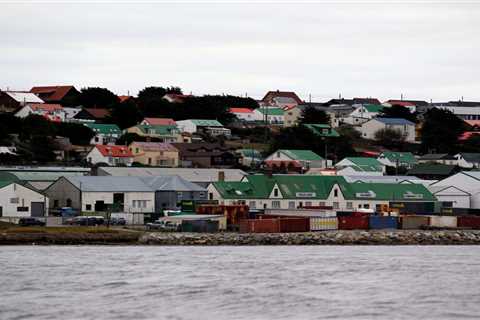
pixel 405 127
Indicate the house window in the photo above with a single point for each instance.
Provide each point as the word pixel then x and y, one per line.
pixel 14 200
pixel 359 206
pixel 22 209
pixel 55 203
pixel 366 206
pixel 291 204
pixel 252 204
pixel 349 205
pixel 335 205
pixel 69 202
pixel 149 160
pixel 275 192
pixel 335 193
pixel 276 204
pixel 308 204
pixel 210 196
pixel 96 139
pixel 88 207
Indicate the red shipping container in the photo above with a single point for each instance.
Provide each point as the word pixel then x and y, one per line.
pixel 353 223
pixel 471 222
pixel 294 224
pixel 259 226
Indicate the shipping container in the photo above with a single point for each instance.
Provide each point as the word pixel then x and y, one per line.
pixel 466 212
pixel 323 223
pixel 413 222
pixel 259 226
pixel 442 221
pixel 470 222
pixel 204 226
pixel 382 222
pixel 294 224
pixel 352 214
pixel 300 212
pixel 353 223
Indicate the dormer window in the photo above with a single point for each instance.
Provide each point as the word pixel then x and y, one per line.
pixel 275 192
pixel 335 193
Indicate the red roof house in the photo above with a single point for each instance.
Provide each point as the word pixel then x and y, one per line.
pixel 158 122
pixel 64 95
pixel 111 155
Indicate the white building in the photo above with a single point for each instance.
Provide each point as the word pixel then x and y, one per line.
pixel 19 201
pixel 271 115
pixel 104 133
pixel 111 155
pixel 362 114
pixel 464 113
pixel 246 114
pixel 405 127
pixel 52 112
pixel 305 158
pixel 459 184
pixel 100 194
pixel 360 166
pixel 212 127
pixel 468 160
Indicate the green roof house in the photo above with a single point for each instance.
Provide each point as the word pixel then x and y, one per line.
pixel 400 159
pixel 104 133
pixel 162 133
pixel 360 166
pixel 304 159
pixel 293 191
pixel 322 130
pixel 271 115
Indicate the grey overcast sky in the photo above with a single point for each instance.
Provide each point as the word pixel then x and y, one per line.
pixel 423 49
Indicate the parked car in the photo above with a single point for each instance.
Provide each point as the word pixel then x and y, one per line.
pixel 163 226
pixel 118 221
pixel 86 221
pixel 27 222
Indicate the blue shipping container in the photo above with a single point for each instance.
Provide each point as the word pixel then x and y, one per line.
pixel 379 222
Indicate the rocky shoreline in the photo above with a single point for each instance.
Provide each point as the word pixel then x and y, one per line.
pixel 339 237
pixel 397 237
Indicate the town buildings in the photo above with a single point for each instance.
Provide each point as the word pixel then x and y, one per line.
pixel 404 127
pixel 66 96
pixel 293 159
pixel 208 126
pixel 206 155
pixel 11 101
pixel 18 201
pixel 52 112
pixel 159 133
pixel 104 133
pixel 111 155
pixel 154 154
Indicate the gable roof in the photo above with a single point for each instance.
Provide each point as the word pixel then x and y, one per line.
pixel 206 122
pixel 394 121
pixel 270 95
pixel 240 110
pixel 406 103
pixel 109 184
pixel 322 130
pixel 171 183
pixel 302 155
pixel 114 151
pixel 48 107
pixel 104 128
pixel 371 101
pixel 432 169
pixel 160 130
pixel 363 164
pixel 401 157
pixel 52 93
pixel 373 108
pixel 160 121
pixel 389 191
pixel 23 97
pixel 94 113
pixel 271 111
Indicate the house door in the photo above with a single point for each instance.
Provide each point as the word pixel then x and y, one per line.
pixel 38 209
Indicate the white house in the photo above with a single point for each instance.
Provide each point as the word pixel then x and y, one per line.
pixel 362 113
pixel 451 197
pixel 212 127
pixel 246 114
pixel 111 155
pixel 463 182
pixel 305 158
pixel 52 112
pixel 405 127
pixel 360 166
pixel 104 133
pixel 468 160
pixel 271 115
pixel 19 201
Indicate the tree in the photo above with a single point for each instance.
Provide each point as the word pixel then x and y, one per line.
pixel 349 132
pixel 36 125
pixel 397 111
pixel 125 115
pixel 78 134
pixel 95 97
pixel 390 137
pixel 313 115
pixel 440 131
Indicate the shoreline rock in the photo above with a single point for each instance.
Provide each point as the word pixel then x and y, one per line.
pixel 337 237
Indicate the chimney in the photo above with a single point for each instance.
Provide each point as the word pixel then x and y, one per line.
pixel 221 175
